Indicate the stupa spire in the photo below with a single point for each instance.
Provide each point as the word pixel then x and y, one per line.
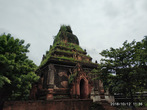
pixel 65 35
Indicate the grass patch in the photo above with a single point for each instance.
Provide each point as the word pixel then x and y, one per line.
pixel 71 77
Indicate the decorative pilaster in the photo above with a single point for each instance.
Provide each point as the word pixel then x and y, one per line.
pixel 50 76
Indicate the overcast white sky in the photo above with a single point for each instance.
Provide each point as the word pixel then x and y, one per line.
pixel 99 24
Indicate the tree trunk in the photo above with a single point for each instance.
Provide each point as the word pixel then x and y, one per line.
pixel 4 94
pixel 132 100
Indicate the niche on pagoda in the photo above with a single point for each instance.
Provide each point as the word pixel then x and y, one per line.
pixel 81 85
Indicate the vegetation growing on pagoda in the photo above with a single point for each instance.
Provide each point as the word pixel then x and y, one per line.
pixel 67 44
pixel 72 77
pixel 65 33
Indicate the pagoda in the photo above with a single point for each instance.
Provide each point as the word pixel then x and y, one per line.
pixel 65 71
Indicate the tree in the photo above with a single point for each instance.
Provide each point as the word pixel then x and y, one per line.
pixel 16 70
pixel 124 69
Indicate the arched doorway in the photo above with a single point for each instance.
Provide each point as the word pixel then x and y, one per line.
pixel 82 89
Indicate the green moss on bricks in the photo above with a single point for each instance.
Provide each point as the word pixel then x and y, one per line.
pixel 57 38
pixel 69 46
pixel 71 77
pixel 65 44
pixel 66 58
pixel 63 28
pixel 65 33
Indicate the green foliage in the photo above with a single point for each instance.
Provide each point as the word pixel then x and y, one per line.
pixel 24 86
pixel 65 51
pixel 66 43
pixel 72 77
pixel 63 28
pixel 124 69
pixel 65 33
pixel 73 46
pixel 66 58
pixel 16 70
pixel 57 38
pixel 47 56
pixel 4 80
pixel 69 47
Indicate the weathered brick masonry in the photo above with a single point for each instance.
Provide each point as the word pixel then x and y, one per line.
pixel 66 104
pixel 65 78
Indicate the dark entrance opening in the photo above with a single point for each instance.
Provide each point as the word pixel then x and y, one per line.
pixel 82 89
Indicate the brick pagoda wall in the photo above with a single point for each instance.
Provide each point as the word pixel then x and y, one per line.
pixel 66 104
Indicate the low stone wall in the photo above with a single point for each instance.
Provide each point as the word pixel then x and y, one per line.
pixel 68 104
